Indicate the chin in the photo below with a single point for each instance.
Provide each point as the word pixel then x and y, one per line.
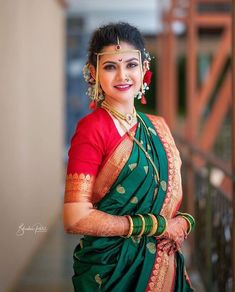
pixel 121 97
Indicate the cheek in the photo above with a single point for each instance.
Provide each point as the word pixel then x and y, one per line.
pixel 137 76
pixel 105 79
pixel 138 79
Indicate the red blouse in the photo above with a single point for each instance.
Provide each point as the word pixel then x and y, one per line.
pixel 94 140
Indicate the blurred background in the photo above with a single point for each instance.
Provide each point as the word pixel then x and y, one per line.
pixel 43 48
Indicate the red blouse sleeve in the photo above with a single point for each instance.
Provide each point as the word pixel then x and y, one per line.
pixel 87 148
pixel 95 138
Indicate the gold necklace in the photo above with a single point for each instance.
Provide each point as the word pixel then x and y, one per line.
pixel 131 135
pixel 129 118
pixel 119 116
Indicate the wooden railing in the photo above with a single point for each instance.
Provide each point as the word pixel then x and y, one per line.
pixel 207 106
pixel 213 211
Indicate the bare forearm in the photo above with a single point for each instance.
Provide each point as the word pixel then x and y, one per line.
pixel 98 223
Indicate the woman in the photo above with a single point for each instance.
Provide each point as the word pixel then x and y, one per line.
pixel 123 186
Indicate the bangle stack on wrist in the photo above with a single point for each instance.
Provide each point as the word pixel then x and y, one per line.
pixel 146 224
pixel 189 218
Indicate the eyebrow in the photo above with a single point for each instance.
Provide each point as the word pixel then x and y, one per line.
pixel 129 60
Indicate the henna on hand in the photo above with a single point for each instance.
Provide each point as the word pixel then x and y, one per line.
pixel 99 223
pixel 80 217
pixel 176 231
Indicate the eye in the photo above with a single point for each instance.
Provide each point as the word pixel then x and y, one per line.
pixel 132 65
pixel 109 67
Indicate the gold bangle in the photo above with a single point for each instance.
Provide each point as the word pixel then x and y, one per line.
pixel 155 225
pixel 131 227
pixel 143 226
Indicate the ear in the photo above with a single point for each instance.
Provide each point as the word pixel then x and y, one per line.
pixel 145 66
pixel 93 71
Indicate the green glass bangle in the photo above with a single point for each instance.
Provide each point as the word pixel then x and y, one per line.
pixel 162 224
pixel 189 223
pixel 137 224
pixel 189 219
pixel 148 224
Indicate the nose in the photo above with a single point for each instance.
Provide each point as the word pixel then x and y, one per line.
pixel 122 74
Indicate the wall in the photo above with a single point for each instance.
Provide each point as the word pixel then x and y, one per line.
pixel 31 127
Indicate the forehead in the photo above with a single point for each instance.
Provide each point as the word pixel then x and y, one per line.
pixel 126 52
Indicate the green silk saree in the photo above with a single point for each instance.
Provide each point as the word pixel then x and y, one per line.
pixel 127 185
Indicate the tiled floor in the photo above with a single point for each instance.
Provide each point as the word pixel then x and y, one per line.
pixel 51 269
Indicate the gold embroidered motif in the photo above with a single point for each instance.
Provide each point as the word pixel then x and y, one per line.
pixel 146 169
pixel 78 187
pixel 151 247
pixel 132 166
pixel 134 200
pixel 98 280
pixel 135 239
pixel 172 199
pixel 163 185
pixel 152 131
pixel 155 193
pixel 120 189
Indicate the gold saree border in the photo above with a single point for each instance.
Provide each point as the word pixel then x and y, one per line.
pixel 78 187
pixel 161 271
pixel 111 169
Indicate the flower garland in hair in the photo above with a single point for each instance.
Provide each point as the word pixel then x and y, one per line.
pixel 91 87
pixel 146 80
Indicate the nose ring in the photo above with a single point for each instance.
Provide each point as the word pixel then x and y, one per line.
pixel 127 79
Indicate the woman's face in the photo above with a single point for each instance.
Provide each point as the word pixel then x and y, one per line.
pixel 120 75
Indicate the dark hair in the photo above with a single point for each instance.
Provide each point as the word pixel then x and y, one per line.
pixel 107 35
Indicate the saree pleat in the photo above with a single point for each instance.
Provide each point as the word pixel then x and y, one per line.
pixel 122 264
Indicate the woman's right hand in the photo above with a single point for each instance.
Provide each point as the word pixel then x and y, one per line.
pixel 167 245
pixel 175 234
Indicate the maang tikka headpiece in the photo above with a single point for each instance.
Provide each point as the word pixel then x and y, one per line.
pixel 96 93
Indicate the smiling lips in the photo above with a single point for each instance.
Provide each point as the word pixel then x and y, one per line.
pixel 123 87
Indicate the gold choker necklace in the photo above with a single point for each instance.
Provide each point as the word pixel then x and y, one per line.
pixel 129 118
